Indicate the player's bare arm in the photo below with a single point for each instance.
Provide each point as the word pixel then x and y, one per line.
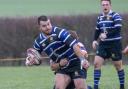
pixel 81 55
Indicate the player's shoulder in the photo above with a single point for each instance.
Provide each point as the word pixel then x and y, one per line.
pixel 40 37
pixel 99 15
pixel 115 15
pixel 57 30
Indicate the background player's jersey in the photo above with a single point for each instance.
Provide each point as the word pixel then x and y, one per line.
pixel 111 25
pixel 57 46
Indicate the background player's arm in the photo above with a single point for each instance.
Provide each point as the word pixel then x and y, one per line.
pixel 96 35
pixel 125 51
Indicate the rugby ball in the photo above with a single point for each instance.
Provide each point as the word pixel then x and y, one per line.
pixel 33 57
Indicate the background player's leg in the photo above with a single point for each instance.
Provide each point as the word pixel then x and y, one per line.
pixel 120 72
pixel 97 70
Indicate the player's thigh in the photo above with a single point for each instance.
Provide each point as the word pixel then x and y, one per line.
pixel 116 51
pixel 79 79
pixel 80 83
pixel 62 80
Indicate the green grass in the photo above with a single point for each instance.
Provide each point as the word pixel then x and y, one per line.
pixel 42 78
pixel 55 7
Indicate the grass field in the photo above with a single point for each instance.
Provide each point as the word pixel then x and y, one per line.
pixel 42 78
pixel 55 7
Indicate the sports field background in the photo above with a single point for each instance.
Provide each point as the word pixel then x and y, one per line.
pixel 41 77
pixel 55 7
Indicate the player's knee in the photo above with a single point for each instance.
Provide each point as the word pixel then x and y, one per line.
pixel 97 65
pixel 80 87
pixel 59 87
pixel 118 67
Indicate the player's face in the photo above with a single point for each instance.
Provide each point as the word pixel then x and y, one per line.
pixel 106 6
pixel 45 27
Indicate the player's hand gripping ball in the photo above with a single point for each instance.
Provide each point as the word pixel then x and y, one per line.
pixel 33 57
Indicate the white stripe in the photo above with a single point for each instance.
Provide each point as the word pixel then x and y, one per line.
pixel 118 25
pixel 71 55
pixel 42 41
pixel 96 84
pixel 47 38
pixel 40 36
pixel 62 54
pixel 97 28
pixel 101 16
pixel 43 35
pixel 105 22
pixel 112 39
pixel 52 44
pixel 121 83
pixel 60 33
pixel 96 80
pixel 72 42
pixel 36 48
pixel 54 29
pixel 115 15
pixel 56 50
pixel 107 27
pixel 37 43
pixel 117 19
pixel 67 37
pixel 65 52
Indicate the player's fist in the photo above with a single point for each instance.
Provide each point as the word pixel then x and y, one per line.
pixel 85 64
pixel 63 62
pixel 103 36
pixel 94 44
pixel 125 51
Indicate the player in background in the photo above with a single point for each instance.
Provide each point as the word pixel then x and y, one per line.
pixel 108 32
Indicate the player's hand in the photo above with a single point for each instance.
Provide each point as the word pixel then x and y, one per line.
pixel 63 62
pixel 103 36
pixel 94 45
pixel 125 51
pixel 85 64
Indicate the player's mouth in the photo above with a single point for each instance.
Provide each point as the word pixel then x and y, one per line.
pixel 105 9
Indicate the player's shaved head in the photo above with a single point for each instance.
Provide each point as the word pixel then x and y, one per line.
pixel 107 0
pixel 42 18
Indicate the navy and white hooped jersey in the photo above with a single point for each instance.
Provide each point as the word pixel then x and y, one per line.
pixel 58 45
pixel 111 25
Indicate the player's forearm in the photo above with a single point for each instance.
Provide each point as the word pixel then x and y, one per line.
pixel 96 35
pixel 78 51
